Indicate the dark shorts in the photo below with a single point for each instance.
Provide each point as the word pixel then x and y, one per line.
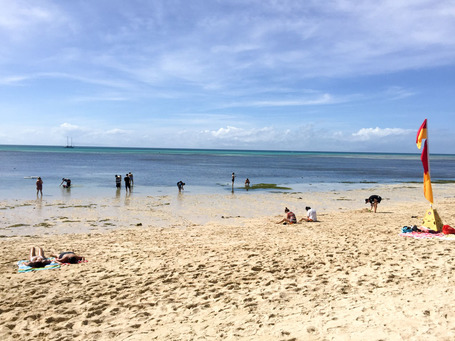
pixel 65 253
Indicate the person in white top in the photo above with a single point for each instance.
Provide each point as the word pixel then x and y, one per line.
pixel 310 215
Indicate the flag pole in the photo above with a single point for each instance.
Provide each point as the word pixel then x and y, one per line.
pixel 428 158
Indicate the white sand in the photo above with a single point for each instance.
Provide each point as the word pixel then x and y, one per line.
pixel 218 267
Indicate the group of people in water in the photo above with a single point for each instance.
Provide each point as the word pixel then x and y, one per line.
pixel 128 179
pixel 39 185
pixel 39 260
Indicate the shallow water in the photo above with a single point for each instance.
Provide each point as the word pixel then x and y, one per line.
pixel 156 171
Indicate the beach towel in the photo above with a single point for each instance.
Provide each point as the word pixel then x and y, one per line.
pixel 406 229
pixel 25 268
pixel 78 262
pixel 424 235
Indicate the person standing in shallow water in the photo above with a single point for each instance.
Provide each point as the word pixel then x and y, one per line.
pixel 39 186
pixel 127 183
pixel 118 181
pixel 130 175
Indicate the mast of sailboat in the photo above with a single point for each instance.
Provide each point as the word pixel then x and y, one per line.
pixel 67 143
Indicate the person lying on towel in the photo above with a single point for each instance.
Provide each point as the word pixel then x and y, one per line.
pixel 37 260
pixel 68 257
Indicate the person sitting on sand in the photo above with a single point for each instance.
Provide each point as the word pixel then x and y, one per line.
pixel 68 257
pixel 290 217
pixel 310 215
pixel 37 261
pixel 374 200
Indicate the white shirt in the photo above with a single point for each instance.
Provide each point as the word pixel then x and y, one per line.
pixel 311 214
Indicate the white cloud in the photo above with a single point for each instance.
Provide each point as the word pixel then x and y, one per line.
pixel 366 134
pixel 117 131
pixel 69 127
pixel 240 135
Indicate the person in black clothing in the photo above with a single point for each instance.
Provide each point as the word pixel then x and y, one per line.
pixel 180 185
pixel 68 183
pixel 374 200
pixel 118 180
pixel 127 183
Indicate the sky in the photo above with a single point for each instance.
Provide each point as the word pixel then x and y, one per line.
pixel 335 75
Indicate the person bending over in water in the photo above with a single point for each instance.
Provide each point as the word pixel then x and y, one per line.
pixel 37 260
pixel 310 214
pixel 247 184
pixel 68 257
pixel 180 185
pixel 290 217
pixel 68 183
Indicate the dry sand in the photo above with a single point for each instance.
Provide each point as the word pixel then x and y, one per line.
pixel 219 268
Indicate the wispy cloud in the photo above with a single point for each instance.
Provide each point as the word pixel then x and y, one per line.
pixel 320 100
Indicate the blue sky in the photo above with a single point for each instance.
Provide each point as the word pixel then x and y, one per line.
pixel 242 74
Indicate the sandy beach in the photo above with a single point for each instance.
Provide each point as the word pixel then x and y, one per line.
pixel 217 267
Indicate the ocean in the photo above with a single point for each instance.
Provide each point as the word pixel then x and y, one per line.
pixel 156 171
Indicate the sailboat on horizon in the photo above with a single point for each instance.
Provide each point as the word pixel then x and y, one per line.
pixel 68 145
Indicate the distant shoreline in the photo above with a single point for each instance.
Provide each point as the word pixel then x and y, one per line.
pixel 208 150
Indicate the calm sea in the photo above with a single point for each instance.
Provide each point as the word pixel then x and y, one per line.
pixel 156 171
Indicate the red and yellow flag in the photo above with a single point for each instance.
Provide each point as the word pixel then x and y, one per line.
pixel 427 189
pixel 422 134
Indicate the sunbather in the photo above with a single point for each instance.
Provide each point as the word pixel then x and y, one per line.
pixel 68 257
pixel 37 261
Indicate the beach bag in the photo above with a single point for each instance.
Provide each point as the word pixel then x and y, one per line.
pixel 446 229
pixel 406 229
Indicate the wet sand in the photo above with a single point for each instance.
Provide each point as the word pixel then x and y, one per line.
pixel 218 267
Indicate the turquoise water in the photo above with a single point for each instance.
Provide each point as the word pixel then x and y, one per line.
pixel 156 171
